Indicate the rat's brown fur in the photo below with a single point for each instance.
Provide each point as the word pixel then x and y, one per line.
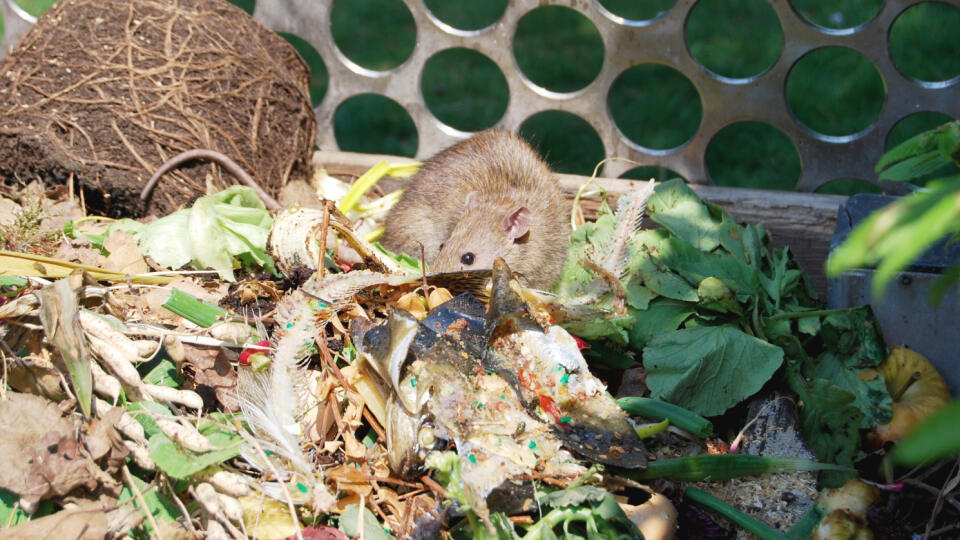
pixel 490 196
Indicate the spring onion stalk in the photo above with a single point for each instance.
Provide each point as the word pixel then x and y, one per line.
pixel 193 309
pixel 719 467
pixel 758 528
pixel 655 409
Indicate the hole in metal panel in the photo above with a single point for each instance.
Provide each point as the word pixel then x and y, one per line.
pixel 655 106
pixel 467 15
pixel 848 186
pixel 924 42
pixel 753 155
pixel 558 48
pixel 835 91
pixel 734 38
pixel 464 89
pixel 660 174
pixel 637 11
pixel 566 141
pixel 374 34
pixel 837 15
pixel 374 124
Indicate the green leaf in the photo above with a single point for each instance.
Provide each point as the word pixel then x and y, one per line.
pixel 830 423
pixel 613 328
pixel 675 206
pixel 708 369
pixel 660 279
pixel 58 313
pixel 897 234
pixel 870 393
pixel 661 316
pixel 716 296
pixel 12 514
pixel 372 530
pixel 638 296
pixel 915 167
pixel 746 243
pixel 10 286
pixel 179 462
pixel 161 371
pixel 159 505
pixel 193 309
pixel 918 144
pixel 935 438
pixel 855 333
pixel 573 497
pixel 695 266
pixel 809 325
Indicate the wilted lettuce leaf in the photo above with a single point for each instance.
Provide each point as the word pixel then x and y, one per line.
pixel 218 231
pixel 708 369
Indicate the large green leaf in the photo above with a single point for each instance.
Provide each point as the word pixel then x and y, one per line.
pixel 708 369
pixel 663 315
pixel 695 266
pixel 675 206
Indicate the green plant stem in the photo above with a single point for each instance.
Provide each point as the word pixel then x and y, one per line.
pixel 760 529
pixel 805 314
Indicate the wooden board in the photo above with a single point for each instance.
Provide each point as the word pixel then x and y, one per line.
pixel 803 221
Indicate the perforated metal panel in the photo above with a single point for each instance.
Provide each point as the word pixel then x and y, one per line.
pixel 626 44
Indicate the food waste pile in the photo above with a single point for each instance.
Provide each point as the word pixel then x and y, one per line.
pixel 225 371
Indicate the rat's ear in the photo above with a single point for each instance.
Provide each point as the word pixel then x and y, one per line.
pixel 517 223
pixel 472 200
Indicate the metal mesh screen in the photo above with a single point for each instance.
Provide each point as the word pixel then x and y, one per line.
pixel 627 43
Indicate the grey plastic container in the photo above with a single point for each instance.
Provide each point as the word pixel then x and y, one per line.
pixel 905 313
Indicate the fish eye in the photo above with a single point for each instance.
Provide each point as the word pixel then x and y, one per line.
pixel 467 258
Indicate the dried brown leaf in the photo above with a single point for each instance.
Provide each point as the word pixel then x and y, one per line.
pixel 53 460
pixel 213 374
pixel 87 523
pixel 124 255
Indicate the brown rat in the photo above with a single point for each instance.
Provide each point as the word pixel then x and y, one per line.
pixel 485 197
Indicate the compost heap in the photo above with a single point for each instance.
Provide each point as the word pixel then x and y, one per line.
pixel 102 92
pixel 375 399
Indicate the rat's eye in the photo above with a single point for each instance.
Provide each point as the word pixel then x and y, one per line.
pixel 467 258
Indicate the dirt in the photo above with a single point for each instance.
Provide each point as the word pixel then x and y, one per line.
pixel 105 91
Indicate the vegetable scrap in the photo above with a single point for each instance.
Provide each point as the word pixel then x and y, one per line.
pixel 313 384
